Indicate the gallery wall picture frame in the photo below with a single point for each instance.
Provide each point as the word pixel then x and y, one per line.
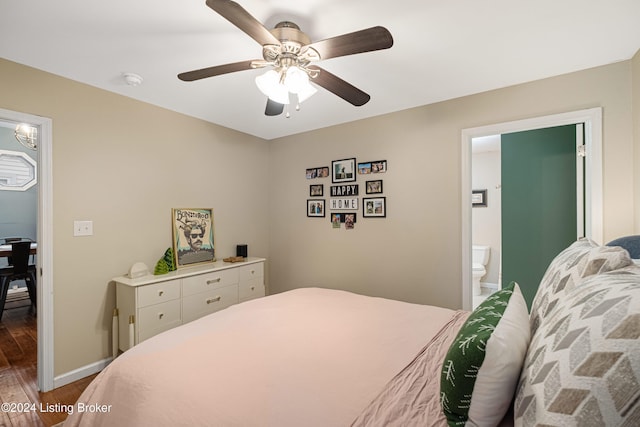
pixel 193 237
pixel 343 170
pixel 364 168
pixel 316 208
pixel 373 186
pixel 319 172
pixel 374 207
pixel 316 190
pixel 379 166
pixel 479 198
pixel 343 216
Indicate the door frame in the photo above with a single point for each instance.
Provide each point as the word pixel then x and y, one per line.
pixel 44 260
pixel 592 119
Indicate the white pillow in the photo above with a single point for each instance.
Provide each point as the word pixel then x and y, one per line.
pixel 482 366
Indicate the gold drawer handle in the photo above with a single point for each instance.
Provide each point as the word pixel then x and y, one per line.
pixel 216 280
pixel 215 299
pixel 253 272
pixel 160 293
pixel 253 288
pixel 160 315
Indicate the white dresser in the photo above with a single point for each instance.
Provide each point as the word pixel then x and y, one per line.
pixel 151 304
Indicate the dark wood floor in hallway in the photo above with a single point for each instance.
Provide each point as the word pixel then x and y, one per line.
pixel 18 373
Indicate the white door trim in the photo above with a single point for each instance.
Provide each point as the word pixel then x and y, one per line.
pixel 592 118
pixel 45 242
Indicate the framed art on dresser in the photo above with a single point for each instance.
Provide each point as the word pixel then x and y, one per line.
pixel 192 236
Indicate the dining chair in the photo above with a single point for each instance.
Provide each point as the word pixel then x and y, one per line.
pixel 20 270
pixel 10 240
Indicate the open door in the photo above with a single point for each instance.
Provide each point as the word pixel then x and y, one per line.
pixel 542 201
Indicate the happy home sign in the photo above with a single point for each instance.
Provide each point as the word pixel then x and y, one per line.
pixel 344 190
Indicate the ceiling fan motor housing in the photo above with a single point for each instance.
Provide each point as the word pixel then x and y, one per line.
pixel 290 51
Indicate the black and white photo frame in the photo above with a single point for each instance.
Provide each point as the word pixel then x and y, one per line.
pixel 479 198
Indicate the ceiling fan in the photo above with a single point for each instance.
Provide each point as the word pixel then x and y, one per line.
pixel 290 53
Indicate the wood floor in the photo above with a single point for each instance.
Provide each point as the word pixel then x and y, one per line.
pixel 18 373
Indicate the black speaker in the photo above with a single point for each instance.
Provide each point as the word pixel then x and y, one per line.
pixel 241 250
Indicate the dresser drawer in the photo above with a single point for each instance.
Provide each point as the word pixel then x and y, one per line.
pixel 251 289
pixel 198 305
pixel 158 293
pixel 158 318
pixel 251 271
pixel 204 282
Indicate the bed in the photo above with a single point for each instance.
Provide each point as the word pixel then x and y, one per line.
pixel 308 357
pixel 321 357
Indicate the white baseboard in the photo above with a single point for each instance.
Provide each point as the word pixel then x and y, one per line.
pixel 80 373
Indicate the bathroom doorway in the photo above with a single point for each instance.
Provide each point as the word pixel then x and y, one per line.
pixel 486 214
pixel 592 125
pixel 541 203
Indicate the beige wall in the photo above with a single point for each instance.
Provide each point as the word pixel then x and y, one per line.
pixel 124 164
pixel 414 254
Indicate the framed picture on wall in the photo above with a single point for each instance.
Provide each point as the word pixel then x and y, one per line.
pixel 379 166
pixel 315 208
pixel 192 236
pixel 316 190
pixel 374 187
pixel 374 207
pixel 479 198
pixel 364 168
pixel 343 170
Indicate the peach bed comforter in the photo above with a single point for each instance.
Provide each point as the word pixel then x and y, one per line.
pixel 308 357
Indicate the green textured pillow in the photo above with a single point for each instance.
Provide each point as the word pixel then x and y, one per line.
pixel 482 367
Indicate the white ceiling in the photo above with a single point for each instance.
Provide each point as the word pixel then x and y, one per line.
pixel 442 50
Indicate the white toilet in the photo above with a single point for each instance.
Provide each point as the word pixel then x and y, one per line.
pixel 479 258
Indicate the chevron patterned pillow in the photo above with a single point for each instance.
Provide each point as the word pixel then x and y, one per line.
pixel 583 364
pixel 482 366
pixel 582 259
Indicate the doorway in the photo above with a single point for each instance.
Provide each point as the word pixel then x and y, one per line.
pixel 44 232
pixel 592 121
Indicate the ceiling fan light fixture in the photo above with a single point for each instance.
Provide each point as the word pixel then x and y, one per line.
pixel 306 92
pixel 269 84
pixel 276 85
pixel 296 79
pixel 27 135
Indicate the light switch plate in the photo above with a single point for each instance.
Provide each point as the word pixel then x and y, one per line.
pixel 83 228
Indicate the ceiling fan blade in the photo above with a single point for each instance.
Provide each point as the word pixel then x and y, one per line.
pixel 203 73
pixel 273 108
pixel 337 86
pixel 239 17
pixel 374 38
